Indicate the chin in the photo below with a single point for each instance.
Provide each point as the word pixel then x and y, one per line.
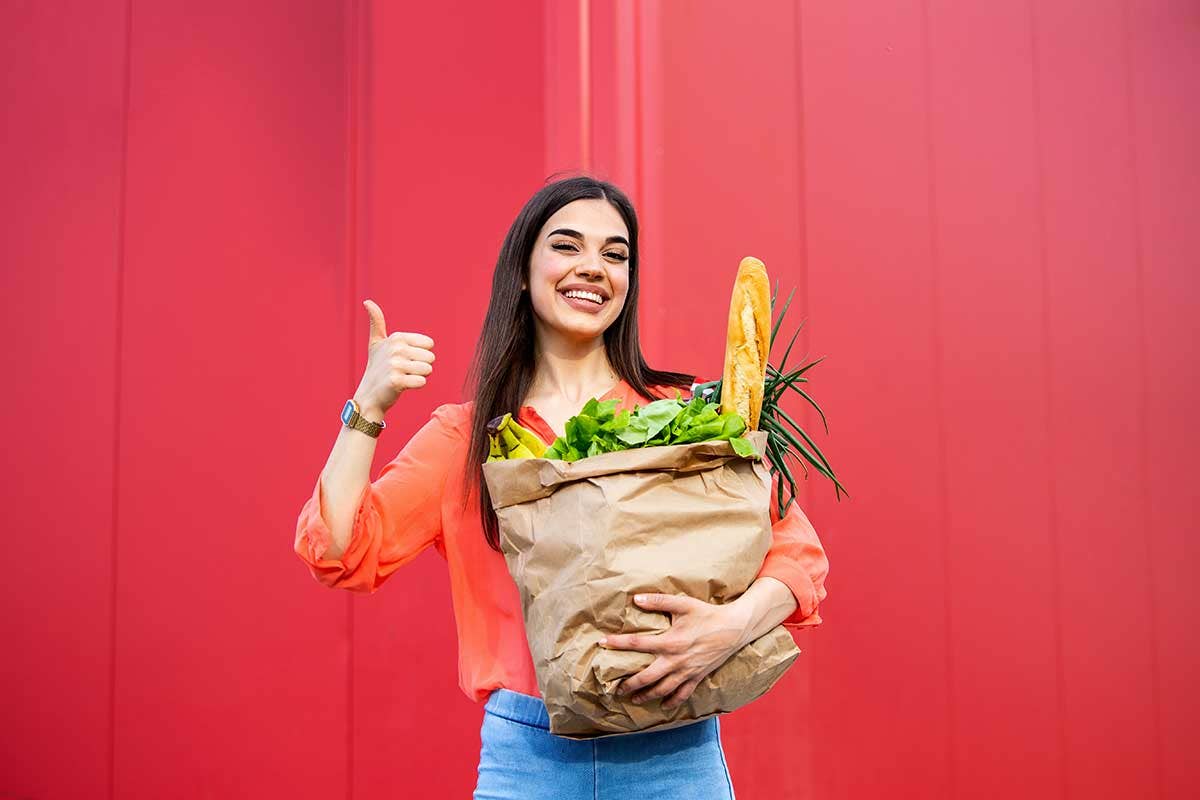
pixel 581 333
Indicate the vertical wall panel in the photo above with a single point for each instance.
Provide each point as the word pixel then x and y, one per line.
pixel 230 664
pixel 1163 40
pixel 654 321
pixel 603 90
pixel 622 117
pixel 728 170
pixel 62 79
pixel 881 677
pixel 564 76
pixel 1093 318
pixel 455 145
pixel 1001 560
pixel 617 94
pixel 728 173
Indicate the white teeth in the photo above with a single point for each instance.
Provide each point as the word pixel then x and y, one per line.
pixel 594 297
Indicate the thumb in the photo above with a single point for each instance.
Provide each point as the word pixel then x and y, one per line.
pixel 378 327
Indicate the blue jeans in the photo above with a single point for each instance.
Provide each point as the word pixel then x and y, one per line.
pixel 520 758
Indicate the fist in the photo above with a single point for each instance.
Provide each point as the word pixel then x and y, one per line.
pixel 396 362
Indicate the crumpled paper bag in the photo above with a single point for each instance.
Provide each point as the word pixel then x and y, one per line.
pixel 582 538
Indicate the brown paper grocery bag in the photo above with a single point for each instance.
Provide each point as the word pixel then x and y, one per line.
pixel 582 538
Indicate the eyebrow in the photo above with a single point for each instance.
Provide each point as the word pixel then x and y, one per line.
pixel 579 236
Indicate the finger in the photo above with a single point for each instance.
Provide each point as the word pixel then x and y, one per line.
pixel 410 381
pixel 414 353
pixel 680 695
pixel 656 671
pixel 670 603
pixel 663 688
pixel 378 328
pixel 416 339
pixel 642 642
pixel 413 367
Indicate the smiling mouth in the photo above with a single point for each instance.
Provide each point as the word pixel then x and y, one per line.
pixel 592 297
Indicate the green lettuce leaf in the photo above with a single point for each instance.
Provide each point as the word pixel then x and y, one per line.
pixel 598 428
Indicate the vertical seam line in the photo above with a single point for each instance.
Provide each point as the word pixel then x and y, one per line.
pixel 935 290
pixel 721 751
pixel 802 245
pixel 1143 391
pixel 350 26
pixel 1051 484
pixel 585 87
pixel 595 774
pixel 122 201
pixel 639 95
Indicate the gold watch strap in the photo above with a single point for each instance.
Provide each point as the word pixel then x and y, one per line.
pixel 360 423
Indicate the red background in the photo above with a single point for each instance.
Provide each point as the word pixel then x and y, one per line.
pixel 989 210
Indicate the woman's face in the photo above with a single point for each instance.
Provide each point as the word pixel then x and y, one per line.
pixel 581 255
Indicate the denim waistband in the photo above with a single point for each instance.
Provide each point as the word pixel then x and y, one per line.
pixel 518 707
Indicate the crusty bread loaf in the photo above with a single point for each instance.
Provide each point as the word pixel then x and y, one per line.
pixel 747 342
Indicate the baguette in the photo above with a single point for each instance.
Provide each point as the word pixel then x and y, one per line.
pixel 747 342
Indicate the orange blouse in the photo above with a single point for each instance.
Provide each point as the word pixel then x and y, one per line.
pixel 419 500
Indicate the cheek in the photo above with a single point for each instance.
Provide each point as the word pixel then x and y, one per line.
pixel 544 299
pixel 541 300
pixel 622 290
pixel 541 287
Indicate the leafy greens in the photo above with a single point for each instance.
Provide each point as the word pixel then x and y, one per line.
pixel 598 428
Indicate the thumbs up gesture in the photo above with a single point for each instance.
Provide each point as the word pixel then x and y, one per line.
pixel 395 363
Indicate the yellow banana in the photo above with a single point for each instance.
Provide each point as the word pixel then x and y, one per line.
pixel 529 439
pixel 507 439
pixel 512 445
pixel 495 449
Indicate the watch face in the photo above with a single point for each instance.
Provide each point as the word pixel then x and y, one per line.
pixel 347 411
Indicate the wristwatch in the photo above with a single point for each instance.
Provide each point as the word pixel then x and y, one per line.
pixel 352 419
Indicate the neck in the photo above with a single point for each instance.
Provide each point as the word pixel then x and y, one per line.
pixel 572 370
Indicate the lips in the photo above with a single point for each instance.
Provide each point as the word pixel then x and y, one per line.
pixel 581 304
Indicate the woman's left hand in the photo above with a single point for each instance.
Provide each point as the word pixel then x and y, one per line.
pixel 701 638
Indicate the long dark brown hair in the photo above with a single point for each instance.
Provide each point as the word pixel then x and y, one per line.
pixel 503 368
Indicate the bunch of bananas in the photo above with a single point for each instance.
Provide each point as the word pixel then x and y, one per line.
pixel 508 440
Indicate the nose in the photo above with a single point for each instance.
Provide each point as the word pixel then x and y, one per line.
pixel 590 267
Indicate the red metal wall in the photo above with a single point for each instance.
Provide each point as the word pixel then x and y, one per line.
pixel 988 211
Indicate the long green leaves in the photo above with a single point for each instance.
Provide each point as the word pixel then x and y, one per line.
pixel 784 435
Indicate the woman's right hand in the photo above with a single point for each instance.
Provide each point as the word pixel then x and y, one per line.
pixel 395 362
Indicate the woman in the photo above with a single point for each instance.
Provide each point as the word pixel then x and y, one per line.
pixel 561 327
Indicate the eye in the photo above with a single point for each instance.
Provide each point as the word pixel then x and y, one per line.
pixel 616 255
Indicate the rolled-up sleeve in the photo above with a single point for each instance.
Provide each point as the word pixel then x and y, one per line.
pixel 397 517
pixel 797 558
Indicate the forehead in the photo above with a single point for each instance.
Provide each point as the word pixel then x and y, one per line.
pixel 595 219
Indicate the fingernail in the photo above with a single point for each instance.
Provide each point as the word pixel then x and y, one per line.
pixel 639 598
pixel 604 641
